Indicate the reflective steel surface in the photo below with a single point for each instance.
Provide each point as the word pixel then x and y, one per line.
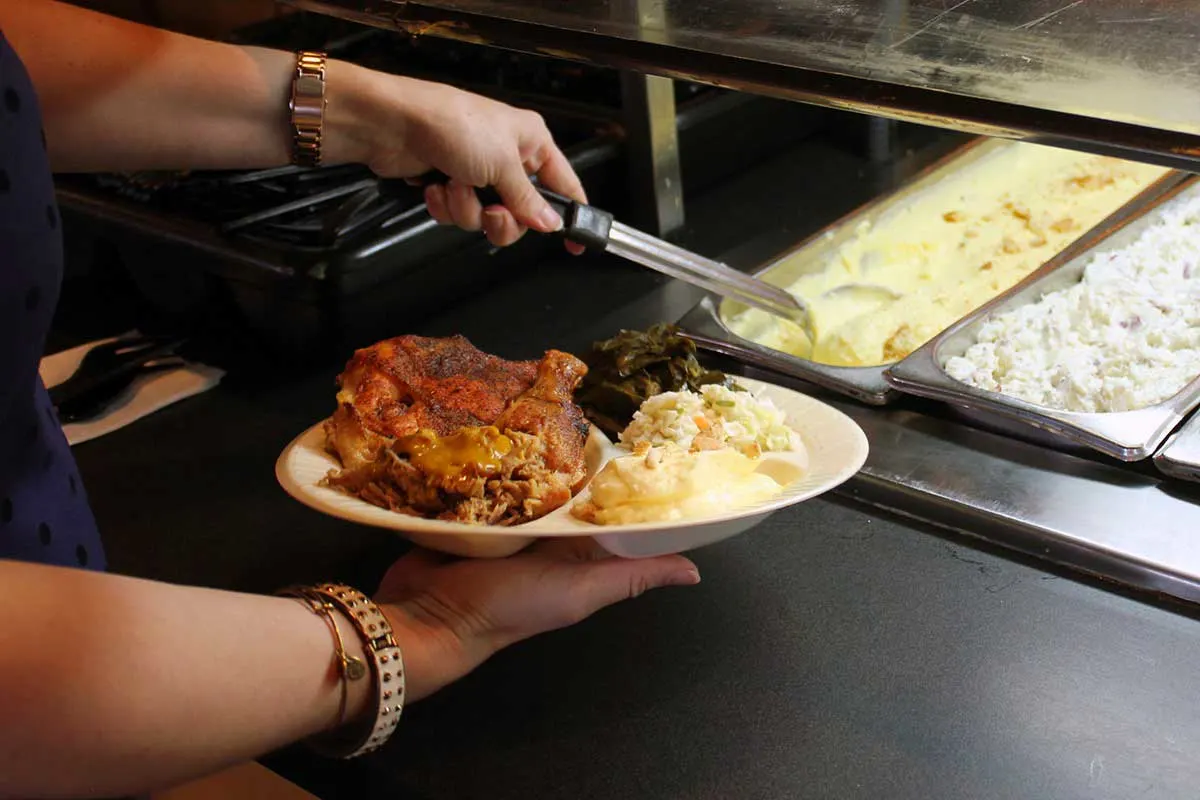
pixel 1119 77
pixel 655 179
pixel 1180 456
pixel 1134 527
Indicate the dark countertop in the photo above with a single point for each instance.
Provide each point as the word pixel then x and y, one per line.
pixel 830 652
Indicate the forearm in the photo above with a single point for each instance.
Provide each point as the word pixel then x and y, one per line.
pixel 111 685
pixel 117 95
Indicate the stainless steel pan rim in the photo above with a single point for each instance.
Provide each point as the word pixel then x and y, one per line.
pixel 1179 457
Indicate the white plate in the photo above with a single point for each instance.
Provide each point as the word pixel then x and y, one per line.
pixel 836 447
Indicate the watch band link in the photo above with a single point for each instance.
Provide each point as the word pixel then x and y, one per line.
pixel 307 108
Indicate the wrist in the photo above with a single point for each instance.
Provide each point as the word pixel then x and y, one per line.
pixel 352 114
pixel 360 694
pixel 372 117
pixel 435 652
pixel 370 114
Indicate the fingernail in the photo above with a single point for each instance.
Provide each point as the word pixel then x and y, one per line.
pixel 492 217
pixel 687 577
pixel 549 220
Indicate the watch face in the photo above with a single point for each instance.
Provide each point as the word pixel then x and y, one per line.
pixel 308 97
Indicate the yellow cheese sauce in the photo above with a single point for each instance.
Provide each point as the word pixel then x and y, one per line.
pixel 669 483
pixel 956 245
pixel 468 452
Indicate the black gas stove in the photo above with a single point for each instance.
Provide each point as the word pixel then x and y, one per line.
pixel 332 257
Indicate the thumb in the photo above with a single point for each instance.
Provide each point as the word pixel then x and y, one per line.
pixel 411 574
pixel 522 200
pixel 602 583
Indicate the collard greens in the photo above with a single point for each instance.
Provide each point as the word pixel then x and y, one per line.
pixel 633 366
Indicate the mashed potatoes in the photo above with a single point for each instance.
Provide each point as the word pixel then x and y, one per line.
pixel 694 454
pixel 668 483
pixel 1125 337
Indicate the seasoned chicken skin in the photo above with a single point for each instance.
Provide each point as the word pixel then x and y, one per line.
pixel 436 427
pixel 546 410
pixel 412 383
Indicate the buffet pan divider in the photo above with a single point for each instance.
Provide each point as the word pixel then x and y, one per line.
pixel 865 384
pixel 1124 435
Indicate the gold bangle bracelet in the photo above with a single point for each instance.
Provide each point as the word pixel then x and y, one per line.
pixel 349 668
pixel 385 658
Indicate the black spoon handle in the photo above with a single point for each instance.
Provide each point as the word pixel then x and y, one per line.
pixel 582 224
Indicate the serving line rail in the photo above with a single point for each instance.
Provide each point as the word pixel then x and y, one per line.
pixel 1115 78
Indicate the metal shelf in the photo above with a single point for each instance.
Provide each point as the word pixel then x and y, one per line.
pixel 1120 78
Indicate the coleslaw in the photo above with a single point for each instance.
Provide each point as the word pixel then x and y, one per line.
pixel 710 419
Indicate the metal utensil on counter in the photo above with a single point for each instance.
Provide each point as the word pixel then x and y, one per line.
pixel 106 370
pixel 91 404
pixel 596 229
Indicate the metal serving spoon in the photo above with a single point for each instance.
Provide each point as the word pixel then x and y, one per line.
pixel 596 229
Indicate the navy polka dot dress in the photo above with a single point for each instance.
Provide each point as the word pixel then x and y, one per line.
pixel 44 515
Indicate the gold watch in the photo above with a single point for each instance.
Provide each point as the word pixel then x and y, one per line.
pixel 307 108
